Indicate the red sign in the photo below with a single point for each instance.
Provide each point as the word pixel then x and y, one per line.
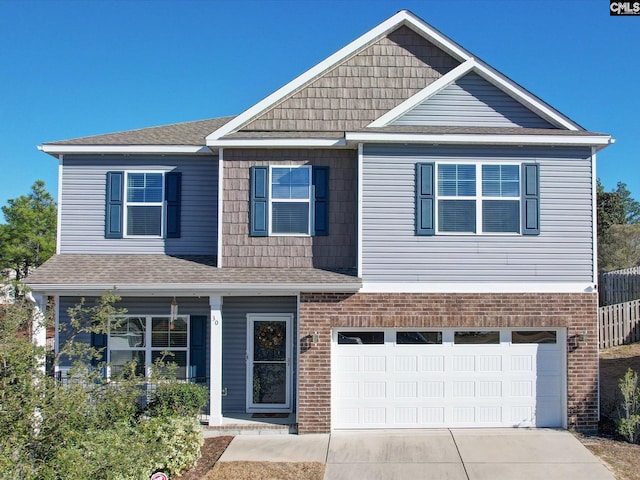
pixel 159 476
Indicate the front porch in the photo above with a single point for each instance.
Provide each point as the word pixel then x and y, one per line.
pixel 248 424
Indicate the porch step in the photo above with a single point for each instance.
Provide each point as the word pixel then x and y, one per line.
pixel 243 429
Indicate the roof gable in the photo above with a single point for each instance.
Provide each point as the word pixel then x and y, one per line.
pixel 360 89
pixel 490 76
pixel 472 101
pixel 402 18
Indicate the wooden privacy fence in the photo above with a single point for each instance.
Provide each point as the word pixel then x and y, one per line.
pixel 619 286
pixel 619 324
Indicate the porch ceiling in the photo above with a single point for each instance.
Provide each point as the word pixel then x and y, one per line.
pixel 172 275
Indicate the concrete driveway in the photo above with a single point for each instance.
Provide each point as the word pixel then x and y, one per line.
pixel 465 454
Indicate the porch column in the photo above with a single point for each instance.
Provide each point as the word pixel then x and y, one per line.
pixel 38 326
pixel 215 361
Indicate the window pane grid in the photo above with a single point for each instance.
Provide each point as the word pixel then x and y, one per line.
pixel 145 340
pixel 478 198
pixel 290 200
pixel 144 204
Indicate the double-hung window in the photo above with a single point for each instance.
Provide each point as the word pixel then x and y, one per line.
pixel 146 339
pixel 477 198
pixel 288 200
pixel 290 204
pixel 144 203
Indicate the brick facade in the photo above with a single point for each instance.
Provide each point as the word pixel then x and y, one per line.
pixel 336 250
pixel 320 312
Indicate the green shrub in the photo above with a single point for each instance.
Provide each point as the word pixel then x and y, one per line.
pixel 173 443
pixel 629 422
pixel 117 453
pixel 173 398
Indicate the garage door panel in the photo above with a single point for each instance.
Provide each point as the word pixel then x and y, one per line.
pixel 374 364
pixel 405 363
pixel 438 385
pixel 432 389
pixel 432 363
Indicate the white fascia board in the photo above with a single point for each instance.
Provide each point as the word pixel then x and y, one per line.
pixel 278 142
pixel 403 17
pixel 479 139
pixel 477 287
pixel 191 289
pixel 136 149
pixel 433 88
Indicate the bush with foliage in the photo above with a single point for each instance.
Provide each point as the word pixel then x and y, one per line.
pixel 177 399
pixel 629 421
pixel 88 427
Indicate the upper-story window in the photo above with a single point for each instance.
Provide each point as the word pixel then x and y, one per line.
pixel 475 198
pixel 291 200
pixel 144 204
pixel 478 198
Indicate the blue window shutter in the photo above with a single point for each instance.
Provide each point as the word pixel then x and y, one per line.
pixel 425 199
pixel 99 342
pixel 320 180
pixel 115 205
pixel 259 202
pixel 530 199
pixel 198 349
pixel 172 195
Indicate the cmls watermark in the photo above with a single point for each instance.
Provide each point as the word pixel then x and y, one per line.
pixel 623 8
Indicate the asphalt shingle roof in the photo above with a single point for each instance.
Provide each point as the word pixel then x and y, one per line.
pixel 187 133
pixel 112 270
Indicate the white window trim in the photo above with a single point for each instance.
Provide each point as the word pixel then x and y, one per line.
pixel 126 204
pixel 477 198
pixel 308 201
pixel 148 348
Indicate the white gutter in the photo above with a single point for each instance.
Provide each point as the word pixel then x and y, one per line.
pixel 191 289
pixel 480 139
pixel 278 142
pixel 137 149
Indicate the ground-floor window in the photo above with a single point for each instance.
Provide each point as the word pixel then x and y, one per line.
pixel 144 339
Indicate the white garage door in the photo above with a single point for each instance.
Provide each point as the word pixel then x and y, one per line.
pixel 384 378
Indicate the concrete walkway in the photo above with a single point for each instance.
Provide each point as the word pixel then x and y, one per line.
pixel 465 454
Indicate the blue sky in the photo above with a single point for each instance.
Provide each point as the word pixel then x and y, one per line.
pixel 75 68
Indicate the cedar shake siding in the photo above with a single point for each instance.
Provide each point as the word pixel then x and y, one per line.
pixel 322 312
pixel 83 200
pixel 391 251
pixel 362 88
pixel 336 250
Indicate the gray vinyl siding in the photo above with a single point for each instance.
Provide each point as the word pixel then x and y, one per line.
pixel 391 252
pixel 472 101
pixel 83 204
pixel 136 306
pixel 234 343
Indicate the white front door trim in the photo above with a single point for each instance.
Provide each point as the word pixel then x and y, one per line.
pixel 286 406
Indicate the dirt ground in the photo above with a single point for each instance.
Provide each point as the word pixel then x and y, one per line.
pixel 210 452
pixel 620 457
pixel 266 471
pixel 614 363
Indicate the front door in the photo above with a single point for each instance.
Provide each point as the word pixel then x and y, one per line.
pixel 269 362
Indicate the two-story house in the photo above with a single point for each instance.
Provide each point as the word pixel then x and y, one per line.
pixel 400 237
